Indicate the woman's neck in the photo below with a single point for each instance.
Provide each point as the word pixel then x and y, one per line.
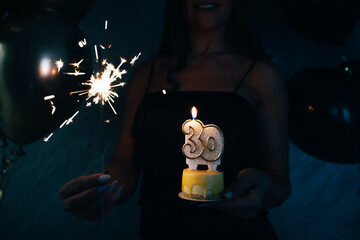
pixel 204 43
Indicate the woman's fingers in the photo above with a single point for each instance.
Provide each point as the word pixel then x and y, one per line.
pixel 94 210
pixel 83 198
pixel 91 212
pixel 83 183
pixel 245 206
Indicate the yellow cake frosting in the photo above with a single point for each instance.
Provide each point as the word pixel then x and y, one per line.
pixel 202 184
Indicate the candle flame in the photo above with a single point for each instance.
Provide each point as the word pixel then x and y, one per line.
pixel 194 112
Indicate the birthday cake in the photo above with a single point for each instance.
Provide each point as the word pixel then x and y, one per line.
pixel 202 184
pixel 204 145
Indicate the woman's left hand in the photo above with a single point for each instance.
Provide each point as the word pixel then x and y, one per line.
pixel 245 196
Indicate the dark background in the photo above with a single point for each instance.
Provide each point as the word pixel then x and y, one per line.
pixel 324 204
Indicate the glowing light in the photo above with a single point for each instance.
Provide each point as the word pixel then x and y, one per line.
pixel 346 69
pixel 70 120
pixel 53 108
pixel 77 65
pixel 63 123
pixel 132 62
pixel 59 64
pixel 96 52
pixel 82 43
pixel 311 108
pixel 107 121
pixel 193 112
pixel 106 24
pixel 49 97
pixel 76 73
pixel 48 137
pixel 102 47
pixel 164 91
pixel 102 85
pixel 45 67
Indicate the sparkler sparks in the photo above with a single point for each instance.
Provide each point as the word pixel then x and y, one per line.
pixel 63 123
pixel 77 65
pixel 96 52
pixel 59 64
pixel 76 73
pixel 102 85
pixel 48 137
pixel 82 43
pixel 53 108
pixel 70 120
pixel 132 62
pixel 49 97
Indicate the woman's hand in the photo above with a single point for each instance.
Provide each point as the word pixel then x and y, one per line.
pixel 245 196
pixel 82 196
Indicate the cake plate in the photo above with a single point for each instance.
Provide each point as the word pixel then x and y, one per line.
pixel 198 200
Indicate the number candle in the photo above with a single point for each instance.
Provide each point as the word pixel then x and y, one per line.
pixel 204 144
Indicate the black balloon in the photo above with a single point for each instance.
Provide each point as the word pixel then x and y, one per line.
pixel 30 45
pixel 75 10
pixel 326 22
pixel 4 7
pixel 324 114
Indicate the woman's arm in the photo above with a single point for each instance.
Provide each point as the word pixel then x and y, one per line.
pixel 82 196
pixel 269 185
pixel 121 165
pixel 272 121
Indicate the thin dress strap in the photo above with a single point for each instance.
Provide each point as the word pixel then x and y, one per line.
pixel 245 75
pixel 150 74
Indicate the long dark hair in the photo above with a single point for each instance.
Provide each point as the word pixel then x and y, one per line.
pixel 176 43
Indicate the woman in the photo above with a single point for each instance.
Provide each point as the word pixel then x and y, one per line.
pixel 209 59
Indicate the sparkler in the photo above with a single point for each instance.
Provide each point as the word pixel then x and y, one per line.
pixel 101 90
pixel 102 85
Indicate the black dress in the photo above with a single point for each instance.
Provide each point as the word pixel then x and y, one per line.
pixel 158 143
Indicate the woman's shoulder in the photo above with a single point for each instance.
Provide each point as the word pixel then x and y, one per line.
pixel 265 75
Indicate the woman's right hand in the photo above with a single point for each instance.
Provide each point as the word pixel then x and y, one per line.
pixel 82 196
